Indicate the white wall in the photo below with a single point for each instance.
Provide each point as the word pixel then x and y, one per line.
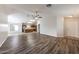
pixel 60 26
pixel 48 26
pixel 3 28
pixel 3 18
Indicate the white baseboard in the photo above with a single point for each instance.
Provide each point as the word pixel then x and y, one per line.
pixel 49 34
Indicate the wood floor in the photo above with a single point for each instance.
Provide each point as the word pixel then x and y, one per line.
pixel 34 43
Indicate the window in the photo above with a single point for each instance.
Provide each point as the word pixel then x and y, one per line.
pixel 14 27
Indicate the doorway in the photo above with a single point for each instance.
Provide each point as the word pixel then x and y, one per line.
pixel 71 25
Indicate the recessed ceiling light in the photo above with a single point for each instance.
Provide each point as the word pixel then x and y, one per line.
pixel 70 16
pixel 29 22
pixel 32 20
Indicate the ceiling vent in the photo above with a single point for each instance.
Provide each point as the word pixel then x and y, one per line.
pixel 48 5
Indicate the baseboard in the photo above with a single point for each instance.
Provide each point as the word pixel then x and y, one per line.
pixel 74 37
pixel 48 34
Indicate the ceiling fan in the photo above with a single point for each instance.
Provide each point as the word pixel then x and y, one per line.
pixel 35 15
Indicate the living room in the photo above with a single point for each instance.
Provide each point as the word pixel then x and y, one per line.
pixel 39 28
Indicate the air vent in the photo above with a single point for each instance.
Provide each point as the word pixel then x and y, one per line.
pixel 48 5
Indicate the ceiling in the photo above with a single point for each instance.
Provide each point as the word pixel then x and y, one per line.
pixel 21 10
pixel 54 9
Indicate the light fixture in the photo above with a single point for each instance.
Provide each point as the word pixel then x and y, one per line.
pixel 70 16
pixel 36 15
pixel 32 20
pixel 29 22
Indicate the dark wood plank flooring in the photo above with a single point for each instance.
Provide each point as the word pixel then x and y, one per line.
pixel 34 43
